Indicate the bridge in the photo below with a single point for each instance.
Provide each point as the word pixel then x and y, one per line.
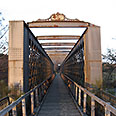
pixel 55 78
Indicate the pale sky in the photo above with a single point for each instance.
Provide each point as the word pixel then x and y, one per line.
pixel 98 12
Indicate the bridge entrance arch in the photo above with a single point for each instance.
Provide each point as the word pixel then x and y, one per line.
pixel 21 38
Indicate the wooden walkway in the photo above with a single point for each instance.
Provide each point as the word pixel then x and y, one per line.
pixel 58 101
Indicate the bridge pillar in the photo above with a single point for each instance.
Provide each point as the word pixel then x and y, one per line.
pixel 92 57
pixel 18 55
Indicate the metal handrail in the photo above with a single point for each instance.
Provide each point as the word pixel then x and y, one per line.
pixel 108 108
pixel 4 98
pixel 15 103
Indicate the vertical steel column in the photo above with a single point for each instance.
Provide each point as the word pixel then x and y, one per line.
pixel 32 102
pixel 14 111
pixel 76 93
pixel 84 103
pixel 107 112
pixel 79 100
pixel 37 99
pixel 24 108
pixel 92 107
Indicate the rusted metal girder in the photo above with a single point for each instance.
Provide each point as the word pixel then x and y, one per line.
pixel 57 44
pixel 58 48
pixel 58 37
pixel 57 52
pixel 53 24
pixel 57 20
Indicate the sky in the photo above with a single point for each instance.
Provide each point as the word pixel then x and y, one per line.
pixel 98 12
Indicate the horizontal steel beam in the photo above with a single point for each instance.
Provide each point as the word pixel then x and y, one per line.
pixel 57 44
pixel 56 52
pixel 60 37
pixel 58 48
pixel 56 24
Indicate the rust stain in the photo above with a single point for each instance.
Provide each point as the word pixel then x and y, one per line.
pixel 55 25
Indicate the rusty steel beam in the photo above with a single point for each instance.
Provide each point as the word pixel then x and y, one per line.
pixel 57 44
pixel 58 37
pixel 56 52
pixel 58 48
pixel 56 24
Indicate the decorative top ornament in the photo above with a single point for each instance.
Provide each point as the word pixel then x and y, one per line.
pixel 58 17
pixel 59 20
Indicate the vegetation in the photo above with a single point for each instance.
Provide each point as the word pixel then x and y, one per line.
pixel 109 71
pixel 3 75
pixel 3 58
pixel 4 91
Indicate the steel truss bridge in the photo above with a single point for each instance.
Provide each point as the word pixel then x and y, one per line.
pixel 60 79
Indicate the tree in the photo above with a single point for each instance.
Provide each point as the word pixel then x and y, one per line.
pixel 3 58
pixel 109 68
pixel 110 57
pixel 3 35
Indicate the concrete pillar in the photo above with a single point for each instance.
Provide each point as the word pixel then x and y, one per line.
pixel 18 55
pixel 92 57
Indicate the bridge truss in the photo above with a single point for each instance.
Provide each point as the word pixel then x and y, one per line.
pixel 31 63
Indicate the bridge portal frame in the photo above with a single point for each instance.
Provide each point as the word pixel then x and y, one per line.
pixel 18 48
pixel 92 44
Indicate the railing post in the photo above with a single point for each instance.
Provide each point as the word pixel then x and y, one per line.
pixel 79 100
pixel 76 92
pixel 14 111
pixel 45 88
pixel 107 112
pixel 24 108
pixel 74 89
pixel 71 89
pixel 40 93
pixel 37 100
pixel 84 103
pixel 9 102
pixel 92 107
pixel 32 102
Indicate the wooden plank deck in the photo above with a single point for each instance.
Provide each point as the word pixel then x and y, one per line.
pixel 58 101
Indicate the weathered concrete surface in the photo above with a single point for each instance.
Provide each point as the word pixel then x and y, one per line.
pixel 58 102
pixel 16 50
pixel 92 54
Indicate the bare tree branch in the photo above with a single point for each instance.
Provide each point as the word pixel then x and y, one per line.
pixel 3 34
pixel 4 28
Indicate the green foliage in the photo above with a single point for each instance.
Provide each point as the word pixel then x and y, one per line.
pixel 3 89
